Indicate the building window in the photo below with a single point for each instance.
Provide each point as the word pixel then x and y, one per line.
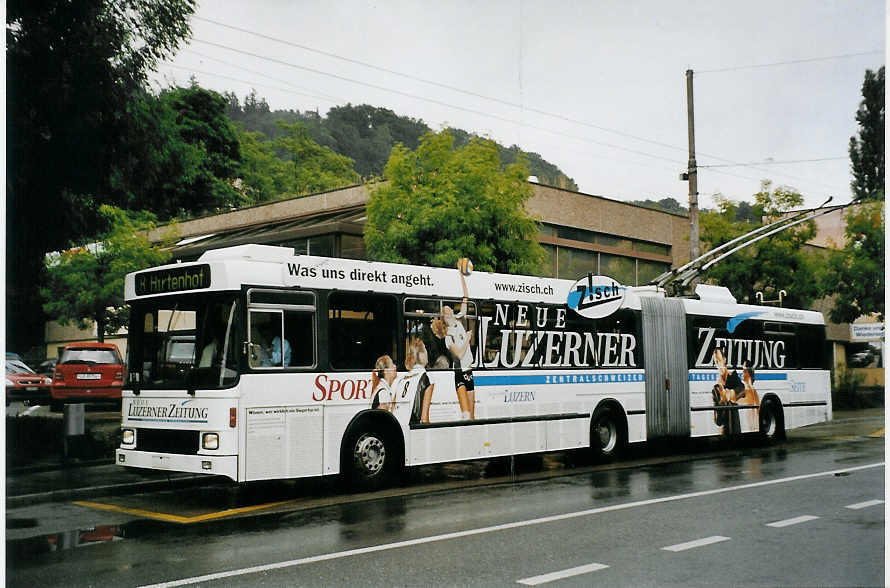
pixel 321 245
pixel 352 247
pixel 644 247
pixel 574 263
pixel 618 267
pixel 649 270
pixel 614 242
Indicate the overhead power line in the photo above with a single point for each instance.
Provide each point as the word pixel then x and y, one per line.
pixel 224 77
pixel 789 62
pixel 432 100
pixel 490 98
pixel 772 162
pixel 441 85
pixel 325 97
pixel 479 112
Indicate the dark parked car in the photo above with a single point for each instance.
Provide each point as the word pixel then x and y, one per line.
pixel 88 372
pixel 24 384
pixel 47 366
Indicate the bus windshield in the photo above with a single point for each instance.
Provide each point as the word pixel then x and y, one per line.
pixel 184 342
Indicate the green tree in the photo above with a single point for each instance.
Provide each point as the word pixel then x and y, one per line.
pixel 442 203
pixel 665 204
pixel 775 263
pixel 367 134
pixel 855 273
pixel 72 71
pixel 867 152
pixel 85 285
pixel 264 175
pixel 212 155
pixel 314 168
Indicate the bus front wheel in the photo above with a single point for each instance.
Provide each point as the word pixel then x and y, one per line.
pixel 371 459
pixel 607 436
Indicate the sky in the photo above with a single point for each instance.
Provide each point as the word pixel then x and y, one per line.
pixel 596 87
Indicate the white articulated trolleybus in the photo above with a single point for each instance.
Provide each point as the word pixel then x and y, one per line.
pixel 256 364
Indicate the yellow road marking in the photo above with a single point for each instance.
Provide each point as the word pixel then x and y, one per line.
pixel 177 518
pixel 878 433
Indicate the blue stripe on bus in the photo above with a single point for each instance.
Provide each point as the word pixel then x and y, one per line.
pixel 758 378
pixel 519 380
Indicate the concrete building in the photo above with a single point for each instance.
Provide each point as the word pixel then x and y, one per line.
pixel 580 232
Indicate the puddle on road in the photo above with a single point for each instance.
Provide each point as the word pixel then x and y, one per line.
pixel 28 549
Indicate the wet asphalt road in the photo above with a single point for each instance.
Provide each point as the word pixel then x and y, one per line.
pixel 722 515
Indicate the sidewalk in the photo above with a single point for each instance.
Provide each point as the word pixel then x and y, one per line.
pixel 54 483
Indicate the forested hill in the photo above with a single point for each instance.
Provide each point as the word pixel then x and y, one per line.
pixel 366 134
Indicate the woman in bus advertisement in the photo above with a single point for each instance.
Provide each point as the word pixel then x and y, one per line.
pixel 450 327
pixel 732 391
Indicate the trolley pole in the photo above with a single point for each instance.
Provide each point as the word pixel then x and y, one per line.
pixel 692 172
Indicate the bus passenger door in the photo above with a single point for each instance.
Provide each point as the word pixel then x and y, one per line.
pixel 667 373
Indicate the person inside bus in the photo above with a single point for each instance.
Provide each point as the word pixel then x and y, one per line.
pixel 382 377
pixel 215 325
pixel 457 340
pixel 416 360
pixel 274 355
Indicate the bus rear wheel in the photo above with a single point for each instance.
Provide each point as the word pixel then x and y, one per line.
pixel 371 460
pixel 607 434
pixel 772 423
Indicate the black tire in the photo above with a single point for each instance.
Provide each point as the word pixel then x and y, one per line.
pixel 772 422
pixel 369 460
pixel 608 435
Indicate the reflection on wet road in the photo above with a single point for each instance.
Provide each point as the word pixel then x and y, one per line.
pixel 284 521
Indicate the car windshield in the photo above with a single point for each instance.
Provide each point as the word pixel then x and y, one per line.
pixel 16 367
pixel 88 355
pixel 184 342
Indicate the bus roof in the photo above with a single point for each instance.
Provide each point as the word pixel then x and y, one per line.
pixel 230 268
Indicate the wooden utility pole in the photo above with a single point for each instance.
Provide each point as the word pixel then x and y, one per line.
pixel 691 172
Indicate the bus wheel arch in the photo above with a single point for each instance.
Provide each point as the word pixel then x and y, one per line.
pixel 372 450
pixel 772 419
pixel 608 431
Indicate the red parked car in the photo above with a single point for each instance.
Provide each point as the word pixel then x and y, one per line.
pixel 22 384
pixel 88 372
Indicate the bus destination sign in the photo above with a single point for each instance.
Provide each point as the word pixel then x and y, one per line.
pixel 178 279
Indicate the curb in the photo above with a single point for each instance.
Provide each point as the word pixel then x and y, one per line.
pixel 69 494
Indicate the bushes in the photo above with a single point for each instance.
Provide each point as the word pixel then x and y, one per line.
pixel 848 391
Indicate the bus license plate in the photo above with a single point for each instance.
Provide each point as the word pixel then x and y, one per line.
pixel 89 376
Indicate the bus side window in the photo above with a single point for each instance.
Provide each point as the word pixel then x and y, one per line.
pixel 361 328
pixel 299 332
pixel 266 338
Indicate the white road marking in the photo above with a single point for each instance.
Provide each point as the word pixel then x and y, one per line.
pixel 544 578
pixel 494 528
pixel 865 504
pixel 794 521
pixel 696 543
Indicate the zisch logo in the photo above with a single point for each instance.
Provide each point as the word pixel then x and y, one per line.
pixel 596 296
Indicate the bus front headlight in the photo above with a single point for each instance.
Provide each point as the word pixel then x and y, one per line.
pixel 210 441
pixel 128 436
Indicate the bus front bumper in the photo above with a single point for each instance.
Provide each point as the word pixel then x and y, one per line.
pixel 214 465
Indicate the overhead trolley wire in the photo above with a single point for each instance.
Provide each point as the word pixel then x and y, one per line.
pixel 230 78
pixel 789 62
pixel 500 100
pixel 431 100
